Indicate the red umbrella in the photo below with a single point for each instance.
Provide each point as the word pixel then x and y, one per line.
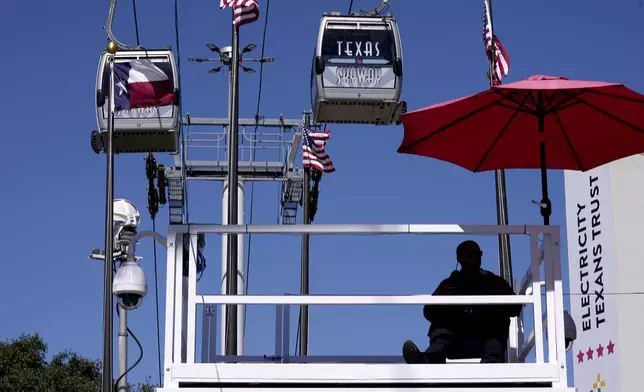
pixel 542 122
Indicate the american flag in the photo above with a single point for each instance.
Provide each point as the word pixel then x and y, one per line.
pixel 313 154
pixel 502 66
pixel 245 11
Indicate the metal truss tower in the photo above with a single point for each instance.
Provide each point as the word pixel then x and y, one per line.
pixel 267 154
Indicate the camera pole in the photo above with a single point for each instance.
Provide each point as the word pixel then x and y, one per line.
pixel 122 341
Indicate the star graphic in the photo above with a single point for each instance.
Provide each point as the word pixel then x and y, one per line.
pixel 122 88
pixel 611 347
pixel 589 353
pixel 600 351
pixel 580 357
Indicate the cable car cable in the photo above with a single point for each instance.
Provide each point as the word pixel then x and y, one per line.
pixel 252 151
pixel 136 24
pixel 183 138
pixel 201 261
pixel 200 267
pixel 153 171
pixel 156 303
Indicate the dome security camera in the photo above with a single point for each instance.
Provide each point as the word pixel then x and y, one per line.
pixel 125 219
pixel 570 330
pixel 130 285
pixel 125 215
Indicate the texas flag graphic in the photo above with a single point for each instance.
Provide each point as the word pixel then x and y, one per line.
pixel 141 84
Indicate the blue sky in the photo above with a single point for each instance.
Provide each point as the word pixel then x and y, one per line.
pixel 54 183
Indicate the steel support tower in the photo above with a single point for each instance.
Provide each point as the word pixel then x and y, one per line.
pixel 265 154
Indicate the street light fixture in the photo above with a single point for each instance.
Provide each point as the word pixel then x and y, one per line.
pixel 248 48
pixel 225 57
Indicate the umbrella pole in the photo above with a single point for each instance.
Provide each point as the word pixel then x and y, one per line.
pixel 505 261
pixel 546 206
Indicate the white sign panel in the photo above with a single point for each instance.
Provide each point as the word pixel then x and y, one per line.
pixel 358 59
pixel 359 76
pixel 592 271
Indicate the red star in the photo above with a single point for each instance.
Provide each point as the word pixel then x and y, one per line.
pixel 600 351
pixel 611 347
pixel 580 357
pixel 589 353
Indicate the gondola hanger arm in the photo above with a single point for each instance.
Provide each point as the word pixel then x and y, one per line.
pixel 108 28
pixel 383 6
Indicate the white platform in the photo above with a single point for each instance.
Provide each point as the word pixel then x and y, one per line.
pixel 360 389
pixel 539 291
pixel 323 376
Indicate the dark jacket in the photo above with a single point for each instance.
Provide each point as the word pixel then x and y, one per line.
pixel 477 321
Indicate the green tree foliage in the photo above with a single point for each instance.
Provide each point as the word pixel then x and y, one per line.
pixel 24 368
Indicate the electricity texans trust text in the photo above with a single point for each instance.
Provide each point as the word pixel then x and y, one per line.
pixel 590 250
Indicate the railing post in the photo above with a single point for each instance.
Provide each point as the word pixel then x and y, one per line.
pixel 191 329
pixel 286 332
pixel 513 340
pixel 171 271
pixel 553 265
pixel 178 300
pixel 520 326
pixel 279 335
pixel 551 307
pixel 536 293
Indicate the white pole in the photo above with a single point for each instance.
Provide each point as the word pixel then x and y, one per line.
pixel 241 274
pixel 184 319
pixel 122 342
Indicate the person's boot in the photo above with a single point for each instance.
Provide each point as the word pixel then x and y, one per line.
pixel 412 354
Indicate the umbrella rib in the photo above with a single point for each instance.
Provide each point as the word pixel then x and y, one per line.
pixel 519 105
pixel 518 109
pixel 616 96
pixel 448 125
pixel 564 104
pixel 499 136
pixel 605 113
pixel 572 148
pixel 563 131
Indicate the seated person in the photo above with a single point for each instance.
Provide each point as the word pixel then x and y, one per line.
pixel 466 331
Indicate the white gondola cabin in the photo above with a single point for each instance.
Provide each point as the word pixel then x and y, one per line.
pixel 356 75
pixel 146 100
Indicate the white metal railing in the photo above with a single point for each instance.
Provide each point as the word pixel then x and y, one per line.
pixel 182 299
pixel 215 145
pixel 527 287
pixel 525 346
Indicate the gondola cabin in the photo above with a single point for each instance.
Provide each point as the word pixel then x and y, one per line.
pixel 146 101
pixel 356 75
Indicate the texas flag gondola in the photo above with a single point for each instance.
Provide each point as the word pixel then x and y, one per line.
pixel 141 84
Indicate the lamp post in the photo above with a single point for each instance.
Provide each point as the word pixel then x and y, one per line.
pixel 232 57
pixel 108 303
